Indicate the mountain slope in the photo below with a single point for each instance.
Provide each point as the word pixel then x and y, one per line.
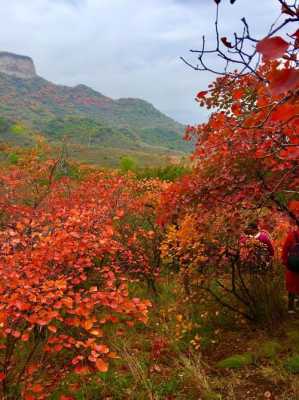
pixel 84 116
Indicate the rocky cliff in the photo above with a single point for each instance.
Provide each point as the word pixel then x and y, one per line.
pixel 17 65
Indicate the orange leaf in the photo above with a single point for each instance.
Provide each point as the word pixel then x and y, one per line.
pixel 52 328
pixel 101 365
pixel 101 348
pixel 112 354
pixel 88 324
pixel 22 306
pixel 82 370
pixel 97 332
pixel 60 284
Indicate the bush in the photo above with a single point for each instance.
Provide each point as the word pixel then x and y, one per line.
pixel 13 158
pixel 269 349
pixel 127 164
pixel 266 292
pixel 168 173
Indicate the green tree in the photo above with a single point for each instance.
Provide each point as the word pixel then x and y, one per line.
pixel 128 164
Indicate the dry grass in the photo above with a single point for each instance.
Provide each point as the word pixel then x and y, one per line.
pixel 137 369
pixel 196 372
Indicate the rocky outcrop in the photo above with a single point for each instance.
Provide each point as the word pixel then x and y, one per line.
pixel 17 65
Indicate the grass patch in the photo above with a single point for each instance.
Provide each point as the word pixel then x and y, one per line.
pixel 292 364
pixel 269 349
pixel 168 388
pixel 237 361
pixel 211 396
pixel 293 339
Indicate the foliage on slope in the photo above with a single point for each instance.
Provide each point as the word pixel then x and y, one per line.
pixel 87 117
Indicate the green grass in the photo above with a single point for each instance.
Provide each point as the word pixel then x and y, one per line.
pixel 236 361
pixel 292 364
pixel 268 349
pixel 293 339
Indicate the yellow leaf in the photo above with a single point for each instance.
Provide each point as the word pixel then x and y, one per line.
pixel 97 332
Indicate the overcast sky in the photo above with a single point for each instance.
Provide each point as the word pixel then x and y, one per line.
pixel 125 48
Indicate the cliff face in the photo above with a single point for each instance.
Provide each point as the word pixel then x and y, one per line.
pixel 16 65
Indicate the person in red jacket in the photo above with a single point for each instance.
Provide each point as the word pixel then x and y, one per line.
pixel 256 258
pixel 262 235
pixel 291 276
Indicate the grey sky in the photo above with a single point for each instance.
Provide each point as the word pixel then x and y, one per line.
pixel 125 48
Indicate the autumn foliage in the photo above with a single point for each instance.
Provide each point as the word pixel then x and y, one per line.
pixel 73 239
pixel 64 255
pixel 245 169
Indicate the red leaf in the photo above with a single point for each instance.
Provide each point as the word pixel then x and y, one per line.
pixel 296 34
pixel 294 205
pixel 236 108
pixel 272 48
pixel 37 388
pixel 2 376
pixel 58 347
pixel 25 337
pixel 284 80
pixel 238 94
pixel 28 397
pixel 22 306
pixel 226 42
pixel 296 43
pixel 284 112
pixel 201 94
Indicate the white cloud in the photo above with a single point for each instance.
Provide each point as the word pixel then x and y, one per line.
pixel 124 48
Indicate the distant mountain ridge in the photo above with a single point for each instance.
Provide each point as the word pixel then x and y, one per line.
pixel 83 115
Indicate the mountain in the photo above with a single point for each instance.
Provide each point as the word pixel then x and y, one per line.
pixel 82 115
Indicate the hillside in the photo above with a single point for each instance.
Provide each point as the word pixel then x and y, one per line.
pixel 82 115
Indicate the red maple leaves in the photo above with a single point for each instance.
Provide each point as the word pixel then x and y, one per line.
pixel 272 48
pixel 284 77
